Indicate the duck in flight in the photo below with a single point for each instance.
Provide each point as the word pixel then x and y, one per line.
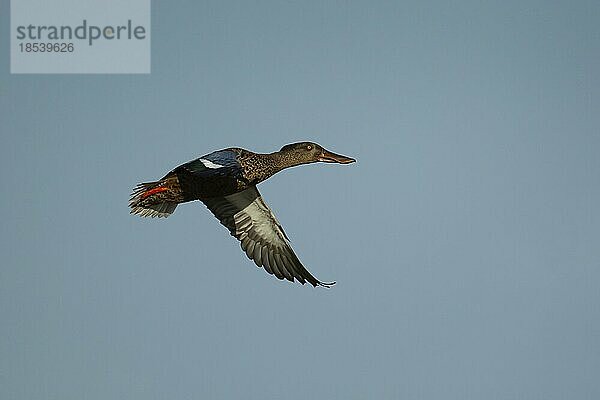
pixel 225 181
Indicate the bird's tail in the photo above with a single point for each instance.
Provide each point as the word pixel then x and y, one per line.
pixel 154 199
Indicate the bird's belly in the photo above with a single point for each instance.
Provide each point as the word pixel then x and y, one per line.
pixel 207 187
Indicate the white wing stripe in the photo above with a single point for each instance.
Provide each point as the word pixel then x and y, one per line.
pixel 210 164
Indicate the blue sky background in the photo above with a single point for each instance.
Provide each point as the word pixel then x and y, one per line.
pixel 464 240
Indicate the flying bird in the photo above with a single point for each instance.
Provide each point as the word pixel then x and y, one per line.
pixel 225 181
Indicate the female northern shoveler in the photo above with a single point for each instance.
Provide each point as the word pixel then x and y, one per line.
pixel 226 182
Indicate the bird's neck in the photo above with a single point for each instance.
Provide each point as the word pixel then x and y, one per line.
pixel 267 165
pixel 283 160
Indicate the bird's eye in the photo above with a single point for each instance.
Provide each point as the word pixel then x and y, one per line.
pixel 309 147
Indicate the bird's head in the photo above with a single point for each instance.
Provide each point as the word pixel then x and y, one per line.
pixel 309 152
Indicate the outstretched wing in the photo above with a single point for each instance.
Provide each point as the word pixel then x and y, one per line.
pixel 252 222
